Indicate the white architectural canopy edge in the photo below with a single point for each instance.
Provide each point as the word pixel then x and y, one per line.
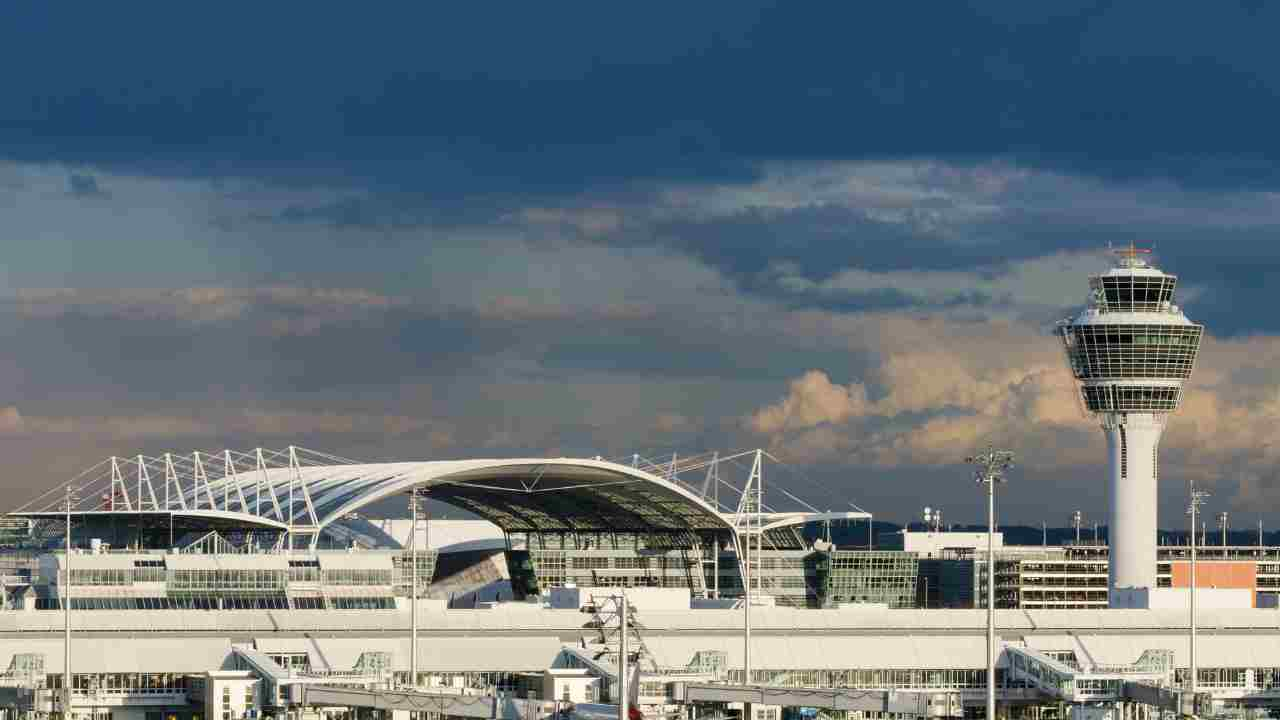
pixel 309 490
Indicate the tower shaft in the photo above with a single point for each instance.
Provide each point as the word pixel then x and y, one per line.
pixel 1132 443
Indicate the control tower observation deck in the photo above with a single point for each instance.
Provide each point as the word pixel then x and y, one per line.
pixel 1131 350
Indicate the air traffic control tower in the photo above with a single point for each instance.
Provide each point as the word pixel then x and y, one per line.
pixel 1131 350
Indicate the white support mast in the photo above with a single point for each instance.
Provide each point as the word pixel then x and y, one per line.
pixel 117 485
pixel 144 476
pixel 230 474
pixel 750 526
pixel 171 478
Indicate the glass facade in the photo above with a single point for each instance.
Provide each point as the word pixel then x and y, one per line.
pixel 1133 293
pixel 868 576
pixel 609 567
pixel 1118 352
pixel 153 584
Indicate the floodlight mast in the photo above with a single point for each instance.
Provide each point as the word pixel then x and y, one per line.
pixel 413 589
pixel 1131 349
pixel 989 469
pixel 1193 508
pixel 67 685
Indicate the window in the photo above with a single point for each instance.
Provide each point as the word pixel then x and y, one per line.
pixel 371 602
pixel 1124 453
pixel 357 576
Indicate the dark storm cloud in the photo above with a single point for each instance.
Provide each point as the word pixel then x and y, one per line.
pixel 590 227
pixel 154 347
pixel 84 186
pixel 479 98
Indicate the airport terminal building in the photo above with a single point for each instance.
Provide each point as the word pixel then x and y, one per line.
pixel 259 584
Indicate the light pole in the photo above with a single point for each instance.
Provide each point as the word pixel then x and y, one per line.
pixel 1197 499
pixel 66 620
pixel 624 691
pixel 1076 518
pixel 1222 523
pixel 413 590
pixel 989 470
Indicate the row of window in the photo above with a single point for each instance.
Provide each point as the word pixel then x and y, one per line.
pixel 357 576
pixel 869 679
pixel 362 603
pixel 252 579
pixel 225 602
pixel 1067 568
pixel 130 603
pixel 1111 398
pixel 1064 581
pixel 1064 596
pixel 306 571
pixel 1132 365
pixel 129 683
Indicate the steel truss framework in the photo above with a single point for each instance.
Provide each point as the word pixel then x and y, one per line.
pixel 302 491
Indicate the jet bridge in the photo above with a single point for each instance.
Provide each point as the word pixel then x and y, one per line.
pixel 1148 680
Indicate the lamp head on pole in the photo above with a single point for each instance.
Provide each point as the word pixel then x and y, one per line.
pixel 1197 499
pixel 991 465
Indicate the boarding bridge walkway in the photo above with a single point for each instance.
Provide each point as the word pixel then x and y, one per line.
pixel 1146 681
pixel 487 707
pixel 908 703
pixel 274 676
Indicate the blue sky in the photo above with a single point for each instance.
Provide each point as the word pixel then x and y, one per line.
pixel 840 233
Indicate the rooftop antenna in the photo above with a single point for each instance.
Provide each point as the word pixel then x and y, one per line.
pixel 932 520
pixel 1131 257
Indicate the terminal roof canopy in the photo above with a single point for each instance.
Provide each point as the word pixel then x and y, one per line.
pixel 309 490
